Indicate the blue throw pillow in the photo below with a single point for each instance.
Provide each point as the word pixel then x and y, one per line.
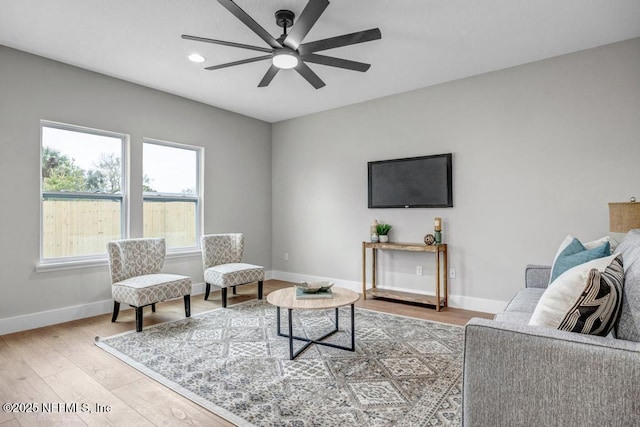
pixel 575 254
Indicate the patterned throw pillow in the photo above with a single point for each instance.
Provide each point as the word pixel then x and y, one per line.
pixel 598 306
pixel 585 299
pixel 575 253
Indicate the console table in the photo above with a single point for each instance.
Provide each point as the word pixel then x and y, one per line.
pixel 437 250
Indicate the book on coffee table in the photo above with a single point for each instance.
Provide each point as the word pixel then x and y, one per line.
pixel 315 295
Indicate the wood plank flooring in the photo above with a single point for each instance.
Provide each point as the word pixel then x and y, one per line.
pixel 60 365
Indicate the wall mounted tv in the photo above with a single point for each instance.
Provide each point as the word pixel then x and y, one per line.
pixel 415 182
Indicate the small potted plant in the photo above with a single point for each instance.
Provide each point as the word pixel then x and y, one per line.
pixel 383 231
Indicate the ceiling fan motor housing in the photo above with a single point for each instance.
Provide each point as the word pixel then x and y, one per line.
pixel 284 18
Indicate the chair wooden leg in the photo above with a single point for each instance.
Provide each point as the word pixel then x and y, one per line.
pixel 153 307
pixel 116 310
pixel 224 297
pixel 206 292
pixel 187 305
pixel 138 319
pixel 260 289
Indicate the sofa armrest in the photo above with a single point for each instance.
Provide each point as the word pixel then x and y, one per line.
pixel 521 375
pixel 537 276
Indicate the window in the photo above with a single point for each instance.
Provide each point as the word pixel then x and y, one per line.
pixel 83 191
pixel 171 193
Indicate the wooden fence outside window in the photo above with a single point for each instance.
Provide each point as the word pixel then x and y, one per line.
pixel 83 227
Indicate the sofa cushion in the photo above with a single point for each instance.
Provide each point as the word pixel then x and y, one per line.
pixel 575 253
pixel 628 327
pixel 525 301
pixel 584 299
pixel 521 318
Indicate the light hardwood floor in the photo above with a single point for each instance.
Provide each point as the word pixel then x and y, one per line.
pixel 60 364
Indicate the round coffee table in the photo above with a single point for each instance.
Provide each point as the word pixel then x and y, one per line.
pixel 286 298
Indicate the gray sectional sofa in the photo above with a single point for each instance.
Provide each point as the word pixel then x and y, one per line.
pixel 521 375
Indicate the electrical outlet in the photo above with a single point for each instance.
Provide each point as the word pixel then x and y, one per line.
pixel 452 273
pixel 286 256
pixel 419 270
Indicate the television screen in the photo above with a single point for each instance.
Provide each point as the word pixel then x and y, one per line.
pixel 416 182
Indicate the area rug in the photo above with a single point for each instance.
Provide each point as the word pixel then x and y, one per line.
pixel 404 372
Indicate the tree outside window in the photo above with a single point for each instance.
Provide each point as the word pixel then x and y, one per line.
pixel 82 191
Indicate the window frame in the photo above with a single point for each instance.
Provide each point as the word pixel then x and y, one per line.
pixel 179 197
pixel 54 263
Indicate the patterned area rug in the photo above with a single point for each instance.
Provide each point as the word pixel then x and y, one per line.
pixel 404 372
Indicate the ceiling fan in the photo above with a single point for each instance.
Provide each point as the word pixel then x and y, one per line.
pixel 288 51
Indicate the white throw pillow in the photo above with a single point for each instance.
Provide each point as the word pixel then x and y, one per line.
pixel 563 293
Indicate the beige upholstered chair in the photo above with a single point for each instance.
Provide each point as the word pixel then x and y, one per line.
pixel 135 266
pixel 221 256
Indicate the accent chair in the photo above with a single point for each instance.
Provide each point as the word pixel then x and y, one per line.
pixel 221 256
pixel 135 266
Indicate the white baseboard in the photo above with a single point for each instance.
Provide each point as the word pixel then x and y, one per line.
pixel 457 301
pixel 52 317
pixel 66 314
pixel 477 304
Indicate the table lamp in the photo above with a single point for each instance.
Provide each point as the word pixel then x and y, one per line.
pixel 622 218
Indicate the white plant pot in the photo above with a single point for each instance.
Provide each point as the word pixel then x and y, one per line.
pixel 384 238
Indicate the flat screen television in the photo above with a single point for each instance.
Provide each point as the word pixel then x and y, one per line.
pixel 415 182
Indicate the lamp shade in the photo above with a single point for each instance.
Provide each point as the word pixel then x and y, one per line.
pixel 624 216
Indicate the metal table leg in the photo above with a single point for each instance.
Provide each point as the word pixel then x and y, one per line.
pixel 291 337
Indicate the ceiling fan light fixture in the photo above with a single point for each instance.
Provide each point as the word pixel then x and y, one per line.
pixel 288 51
pixel 195 57
pixel 285 59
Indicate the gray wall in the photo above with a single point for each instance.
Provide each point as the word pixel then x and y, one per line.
pixel 237 187
pixel 538 152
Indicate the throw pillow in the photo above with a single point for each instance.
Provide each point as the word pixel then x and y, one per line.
pixel 585 299
pixel 589 245
pixel 572 253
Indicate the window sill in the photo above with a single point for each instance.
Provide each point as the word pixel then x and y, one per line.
pixel 184 254
pixel 45 267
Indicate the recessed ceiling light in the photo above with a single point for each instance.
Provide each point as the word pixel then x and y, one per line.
pixel 194 57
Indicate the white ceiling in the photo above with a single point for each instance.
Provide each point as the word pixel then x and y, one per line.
pixel 424 42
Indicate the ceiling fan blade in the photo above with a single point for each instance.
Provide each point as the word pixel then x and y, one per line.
pixel 249 22
pixel 307 19
pixel 224 43
pixel 271 73
pixel 306 72
pixel 336 62
pixel 242 61
pixel 340 41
